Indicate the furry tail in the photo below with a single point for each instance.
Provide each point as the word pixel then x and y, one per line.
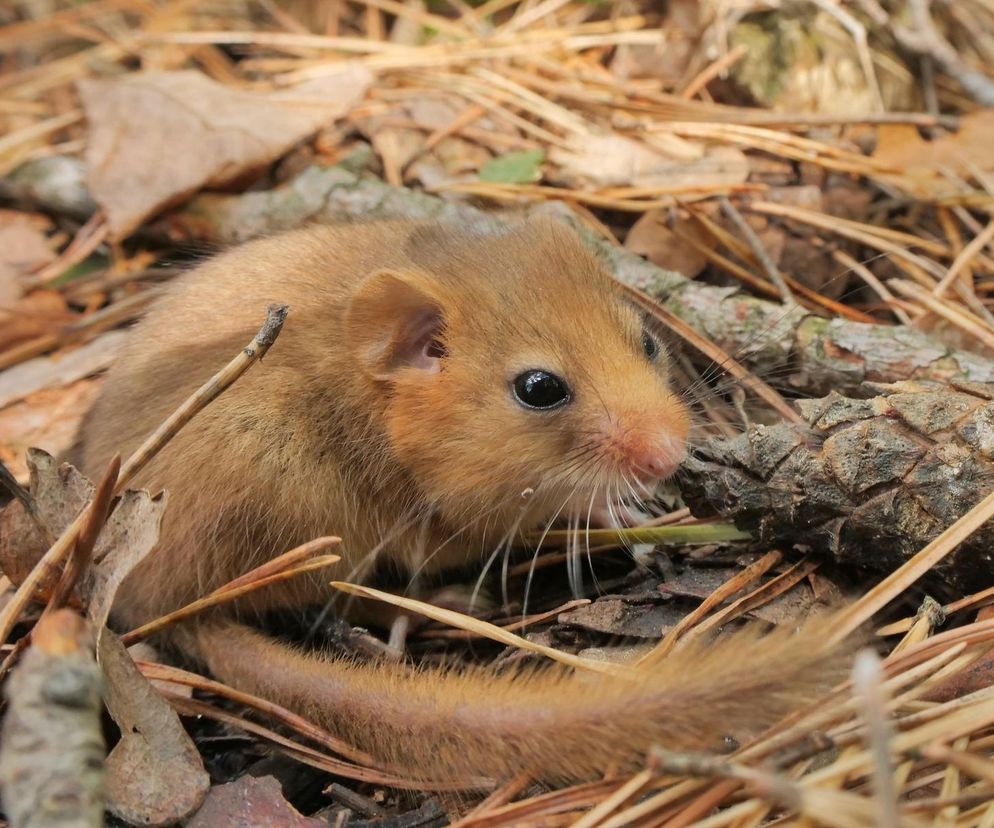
pixel 563 725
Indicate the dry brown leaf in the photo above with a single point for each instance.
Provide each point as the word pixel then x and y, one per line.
pixel 156 137
pixel 59 493
pixel 48 419
pixel 250 802
pixel 922 164
pixel 614 160
pixel 59 490
pixel 131 533
pixel 23 249
pixel 155 775
pixel 666 61
pixel 653 236
pixel 38 313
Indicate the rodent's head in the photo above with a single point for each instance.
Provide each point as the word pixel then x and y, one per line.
pixel 511 364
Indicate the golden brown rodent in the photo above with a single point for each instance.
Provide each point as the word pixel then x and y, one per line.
pixel 439 388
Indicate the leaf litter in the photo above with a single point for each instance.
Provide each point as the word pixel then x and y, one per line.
pixel 643 142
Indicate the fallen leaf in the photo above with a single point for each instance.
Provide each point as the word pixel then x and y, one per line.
pixel 58 489
pixel 667 60
pixel 403 148
pixel 522 167
pixel 614 160
pixel 396 147
pixel 40 312
pixel 130 534
pixel 23 249
pixel 48 419
pixel 922 165
pixel 156 137
pixel 155 775
pixel 59 493
pixel 664 243
pixel 250 802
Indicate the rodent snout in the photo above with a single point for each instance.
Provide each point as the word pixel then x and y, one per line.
pixel 657 459
pixel 649 454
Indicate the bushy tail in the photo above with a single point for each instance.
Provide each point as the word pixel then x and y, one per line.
pixel 560 724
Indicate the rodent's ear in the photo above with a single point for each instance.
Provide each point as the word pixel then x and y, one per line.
pixel 394 321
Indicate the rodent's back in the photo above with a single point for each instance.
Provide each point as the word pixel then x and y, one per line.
pixel 252 474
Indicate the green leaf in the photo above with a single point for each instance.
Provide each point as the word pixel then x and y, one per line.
pixel 521 167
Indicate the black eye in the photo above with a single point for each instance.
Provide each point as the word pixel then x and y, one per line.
pixel 649 345
pixel 540 389
pixel 435 349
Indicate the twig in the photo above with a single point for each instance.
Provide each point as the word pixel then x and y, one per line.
pixel 100 507
pixel 771 270
pixel 207 393
pixel 52 747
pixel 227 594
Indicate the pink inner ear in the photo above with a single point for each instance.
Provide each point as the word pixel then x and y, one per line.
pixel 419 346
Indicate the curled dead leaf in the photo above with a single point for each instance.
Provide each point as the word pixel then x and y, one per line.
pixel 131 533
pixel 155 775
pixel 665 244
pixel 59 493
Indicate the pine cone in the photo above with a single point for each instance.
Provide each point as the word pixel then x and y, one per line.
pixel 868 481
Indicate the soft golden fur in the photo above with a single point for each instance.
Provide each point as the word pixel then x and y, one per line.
pixel 351 427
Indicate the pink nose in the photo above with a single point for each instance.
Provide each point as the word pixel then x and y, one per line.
pixel 656 459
